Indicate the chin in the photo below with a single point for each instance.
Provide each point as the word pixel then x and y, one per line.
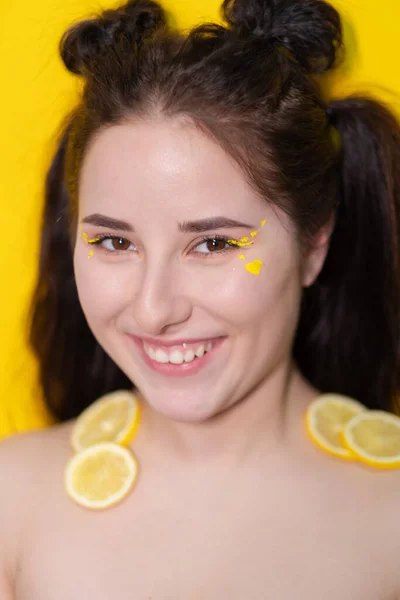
pixel 179 408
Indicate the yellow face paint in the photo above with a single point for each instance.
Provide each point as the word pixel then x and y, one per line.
pixel 240 243
pixel 86 239
pixel 254 267
pixel 91 253
pixel 245 241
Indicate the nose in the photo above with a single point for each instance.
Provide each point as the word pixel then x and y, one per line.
pixel 160 301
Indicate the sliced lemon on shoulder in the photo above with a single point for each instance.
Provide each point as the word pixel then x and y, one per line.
pixel 101 475
pixel 325 420
pixel 374 437
pixel 112 418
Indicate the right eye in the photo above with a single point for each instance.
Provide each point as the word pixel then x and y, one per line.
pixel 213 245
pixel 113 243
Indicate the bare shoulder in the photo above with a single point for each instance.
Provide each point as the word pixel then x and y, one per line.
pixel 28 464
pixel 369 501
pixel 25 458
pixel 357 505
pixel 389 496
pixel 387 519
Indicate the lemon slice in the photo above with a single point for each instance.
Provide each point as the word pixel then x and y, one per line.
pixel 112 418
pixel 101 475
pixel 326 418
pixel 374 437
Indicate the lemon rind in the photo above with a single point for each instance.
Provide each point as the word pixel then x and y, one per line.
pixel 312 430
pixel 337 399
pixel 125 435
pixel 128 433
pixel 310 420
pixel 348 441
pixel 338 451
pixel 114 498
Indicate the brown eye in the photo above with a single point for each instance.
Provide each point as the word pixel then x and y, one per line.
pixel 120 244
pixel 215 245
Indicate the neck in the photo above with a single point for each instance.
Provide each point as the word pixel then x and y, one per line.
pixel 263 422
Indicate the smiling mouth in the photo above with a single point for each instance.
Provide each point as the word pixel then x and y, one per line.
pixel 177 355
pixel 177 358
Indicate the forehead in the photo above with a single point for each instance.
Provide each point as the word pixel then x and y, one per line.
pixel 169 168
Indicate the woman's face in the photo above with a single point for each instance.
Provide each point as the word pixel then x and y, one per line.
pixel 196 322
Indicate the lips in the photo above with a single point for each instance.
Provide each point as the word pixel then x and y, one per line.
pixel 177 357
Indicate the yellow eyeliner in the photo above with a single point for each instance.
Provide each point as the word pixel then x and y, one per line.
pixel 244 241
pixel 92 241
pixel 253 267
pixel 86 238
pixel 240 243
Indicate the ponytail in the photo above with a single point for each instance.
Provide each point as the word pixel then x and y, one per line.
pixel 348 339
pixel 73 368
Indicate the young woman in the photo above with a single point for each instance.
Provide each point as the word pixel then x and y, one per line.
pixel 244 259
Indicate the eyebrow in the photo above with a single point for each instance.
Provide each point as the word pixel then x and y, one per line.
pixel 103 221
pixel 211 223
pixel 198 226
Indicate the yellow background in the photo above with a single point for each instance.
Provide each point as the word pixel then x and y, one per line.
pixel 36 92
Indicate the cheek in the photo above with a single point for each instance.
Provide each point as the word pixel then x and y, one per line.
pixel 250 294
pixel 103 289
pixel 262 312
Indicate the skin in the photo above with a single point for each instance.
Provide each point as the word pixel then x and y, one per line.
pixel 157 287
pixel 233 500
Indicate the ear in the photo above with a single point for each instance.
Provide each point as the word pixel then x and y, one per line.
pixel 315 258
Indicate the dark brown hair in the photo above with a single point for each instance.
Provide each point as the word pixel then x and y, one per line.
pixel 251 86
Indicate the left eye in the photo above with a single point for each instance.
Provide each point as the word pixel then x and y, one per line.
pixel 212 245
pixel 117 243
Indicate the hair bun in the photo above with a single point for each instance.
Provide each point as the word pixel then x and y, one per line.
pixel 132 22
pixel 310 30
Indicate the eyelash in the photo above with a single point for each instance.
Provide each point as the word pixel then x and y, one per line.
pixel 101 238
pixel 98 239
pixel 217 237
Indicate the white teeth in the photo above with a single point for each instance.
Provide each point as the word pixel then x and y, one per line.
pixel 176 357
pixel 161 356
pixel 189 355
pixel 200 351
